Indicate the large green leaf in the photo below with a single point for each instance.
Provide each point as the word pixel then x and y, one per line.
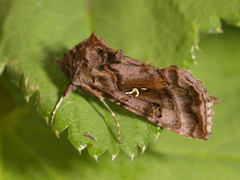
pixel 30 150
pixel 35 33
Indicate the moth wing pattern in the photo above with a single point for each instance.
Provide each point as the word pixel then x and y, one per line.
pixel 169 97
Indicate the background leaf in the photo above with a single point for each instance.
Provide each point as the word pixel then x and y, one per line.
pixel 35 33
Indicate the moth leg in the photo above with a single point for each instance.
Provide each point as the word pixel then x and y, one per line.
pixel 112 113
pixel 67 90
pixel 99 96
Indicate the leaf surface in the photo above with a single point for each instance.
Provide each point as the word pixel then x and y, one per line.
pixel 35 33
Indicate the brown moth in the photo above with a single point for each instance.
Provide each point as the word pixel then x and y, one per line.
pixel 169 97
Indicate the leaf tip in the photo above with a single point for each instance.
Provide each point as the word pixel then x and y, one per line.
pixel 57 133
pixel 157 135
pixel 114 156
pixel 143 149
pixel 96 157
pixel 27 84
pixel 197 48
pixel 132 157
pixel 27 98
pixel 81 148
pixel 219 30
pixel 46 119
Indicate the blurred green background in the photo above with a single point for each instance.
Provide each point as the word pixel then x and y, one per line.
pixel 165 31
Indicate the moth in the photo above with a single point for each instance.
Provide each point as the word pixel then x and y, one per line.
pixel 169 97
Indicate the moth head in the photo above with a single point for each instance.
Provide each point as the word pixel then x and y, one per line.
pixel 90 53
pixel 95 50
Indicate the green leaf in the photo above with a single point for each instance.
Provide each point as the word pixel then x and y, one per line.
pixel 34 34
pixel 29 150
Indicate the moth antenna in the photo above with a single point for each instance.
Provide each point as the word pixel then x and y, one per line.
pixel 112 113
pixel 65 93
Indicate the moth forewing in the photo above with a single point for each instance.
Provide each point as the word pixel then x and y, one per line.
pixel 169 97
